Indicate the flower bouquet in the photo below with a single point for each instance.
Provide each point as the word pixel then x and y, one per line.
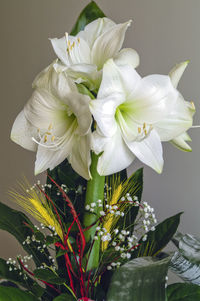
pixel 94 238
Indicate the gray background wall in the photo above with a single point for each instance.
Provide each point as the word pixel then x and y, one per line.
pixel 163 32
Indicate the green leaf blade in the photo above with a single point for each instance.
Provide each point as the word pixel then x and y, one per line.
pixel 90 13
pixel 134 281
pixel 15 294
pixel 183 292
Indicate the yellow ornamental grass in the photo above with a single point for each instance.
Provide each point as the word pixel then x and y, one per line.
pixel 34 202
pixel 114 194
pixel 109 220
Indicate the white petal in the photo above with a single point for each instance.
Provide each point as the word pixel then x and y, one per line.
pixel 49 154
pixel 116 155
pixel 57 83
pixel 79 157
pixel 60 48
pixel 177 121
pixel 111 81
pixel 104 110
pixel 43 110
pixel 127 56
pixel 149 151
pixel 78 51
pixel 108 44
pixel 94 29
pixel 85 73
pixel 177 72
pixel 152 99
pixel 180 142
pixel 22 132
pixel 79 105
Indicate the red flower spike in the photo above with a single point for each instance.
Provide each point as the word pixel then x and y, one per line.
pixel 74 214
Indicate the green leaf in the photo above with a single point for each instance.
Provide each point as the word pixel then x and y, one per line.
pixel 139 279
pixel 158 239
pixel 49 276
pixel 183 292
pixel 186 262
pixel 137 180
pixel 64 297
pixel 15 277
pixel 90 13
pixel 84 90
pixel 14 221
pixel 15 294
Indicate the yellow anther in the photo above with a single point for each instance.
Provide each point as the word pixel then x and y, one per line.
pixel 145 131
pixel 144 126
pixel 73 44
pixel 139 130
pixel 79 40
pixel 53 138
pixel 45 138
pixel 69 44
pixel 50 127
pixel 48 133
pixel 193 106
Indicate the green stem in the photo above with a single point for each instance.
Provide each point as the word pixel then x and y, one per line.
pixel 94 192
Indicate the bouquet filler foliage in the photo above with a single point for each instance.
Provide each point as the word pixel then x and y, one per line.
pixel 90 115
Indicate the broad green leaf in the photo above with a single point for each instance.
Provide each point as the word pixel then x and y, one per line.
pixel 90 13
pixel 14 222
pixel 186 270
pixel 49 276
pixel 183 292
pixel 64 297
pixel 15 277
pixel 189 247
pixel 186 262
pixel 15 294
pixel 141 279
pixel 158 239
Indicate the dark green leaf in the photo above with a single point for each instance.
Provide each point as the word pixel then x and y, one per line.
pixel 158 239
pixel 137 180
pixel 14 221
pixel 183 292
pixel 90 13
pixel 15 294
pixel 64 297
pixel 139 279
pixel 49 276
pixel 61 253
pixel 15 277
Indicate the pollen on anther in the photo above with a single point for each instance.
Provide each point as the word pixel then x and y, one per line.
pixel 79 40
pixel 45 138
pixel 52 138
pixel 139 130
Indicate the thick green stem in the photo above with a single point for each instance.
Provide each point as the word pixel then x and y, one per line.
pixel 94 192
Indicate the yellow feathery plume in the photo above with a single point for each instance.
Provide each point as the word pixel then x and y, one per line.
pixel 114 193
pixel 110 217
pixel 34 202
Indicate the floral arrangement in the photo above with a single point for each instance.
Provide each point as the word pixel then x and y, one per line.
pixel 90 115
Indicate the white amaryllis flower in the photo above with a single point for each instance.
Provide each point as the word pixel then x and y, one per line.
pixel 134 115
pixel 84 55
pixel 56 123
